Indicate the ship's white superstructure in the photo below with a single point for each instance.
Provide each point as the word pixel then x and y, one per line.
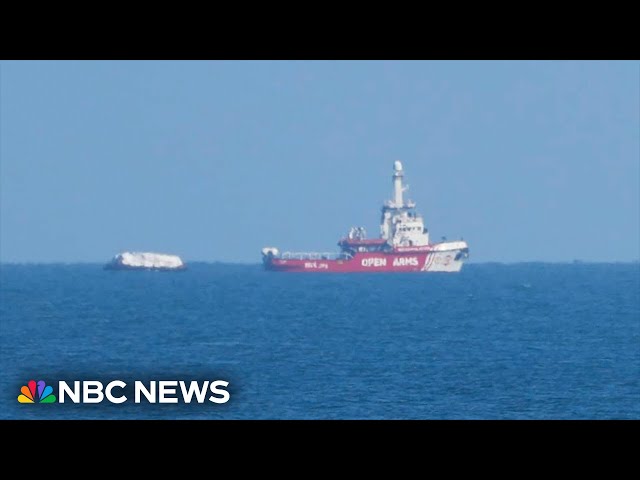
pixel 400 224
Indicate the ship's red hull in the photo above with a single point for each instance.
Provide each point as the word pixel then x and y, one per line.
pixel 411 261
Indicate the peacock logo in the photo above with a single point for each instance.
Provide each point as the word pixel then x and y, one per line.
pixel 28 393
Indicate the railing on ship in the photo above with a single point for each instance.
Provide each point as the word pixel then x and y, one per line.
pixel 314 256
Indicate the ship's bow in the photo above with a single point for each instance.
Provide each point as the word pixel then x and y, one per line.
pixel 446 257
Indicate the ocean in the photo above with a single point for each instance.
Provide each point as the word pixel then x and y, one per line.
pixel 496 341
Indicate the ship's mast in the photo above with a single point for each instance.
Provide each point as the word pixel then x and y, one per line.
pixel 398 174
pixel 400 225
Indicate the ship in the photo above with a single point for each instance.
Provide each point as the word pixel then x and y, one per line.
pixel 403 245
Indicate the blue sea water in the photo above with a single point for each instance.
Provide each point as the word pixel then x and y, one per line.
pixel 521 341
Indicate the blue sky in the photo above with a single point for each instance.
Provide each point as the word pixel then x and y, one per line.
pixel 213 160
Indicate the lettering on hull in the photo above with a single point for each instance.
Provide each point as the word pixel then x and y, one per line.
pixel 443 260
pixel 323 265
pixel 374 262
pixel 405 261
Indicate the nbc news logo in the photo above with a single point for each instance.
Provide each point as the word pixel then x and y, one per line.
pixel 93 391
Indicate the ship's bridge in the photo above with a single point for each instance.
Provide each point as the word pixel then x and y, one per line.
pixel 391 205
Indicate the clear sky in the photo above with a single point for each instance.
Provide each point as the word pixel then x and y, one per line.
pixel 214 160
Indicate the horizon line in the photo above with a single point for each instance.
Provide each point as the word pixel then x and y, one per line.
pixel 501 262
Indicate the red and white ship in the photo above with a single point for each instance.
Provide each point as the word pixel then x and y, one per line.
pixel 403 245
